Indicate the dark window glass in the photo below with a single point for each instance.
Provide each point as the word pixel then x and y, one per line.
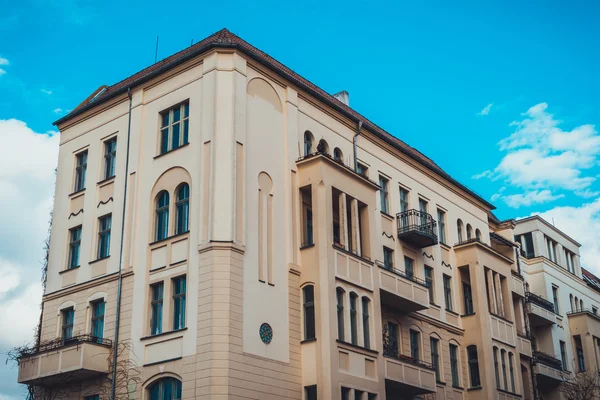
pixel 435 357
pixel 74 246
pixel 468 298
pixel 388 258
pixel 310 392
pixel 182 209
pixel 98 319
pixel 448 292
pixel 80 171
pixel 165 389
pixel 473 366
pixel 162 215
pixel 174 130
pixel 105 223
pixel 496 368
pixel 503 354
pixel 555 299
pixel 563 355
pixel 179 291
pixel 340 314
pixel 383 194
pixel 68 317
pixel 454 364
pixel 110 157
pixel 345 393
pixel 366 323
pixel 156 308
pixel 429 282
pixel 409 269
pixel 353 322
pixel 414 344
pixel 512 372
pixel 309 312
pixel 441 216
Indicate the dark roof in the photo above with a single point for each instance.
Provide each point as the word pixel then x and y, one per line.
pixel 592 280
pixel 225 39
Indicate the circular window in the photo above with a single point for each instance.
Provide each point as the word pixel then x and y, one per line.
pixel 266 333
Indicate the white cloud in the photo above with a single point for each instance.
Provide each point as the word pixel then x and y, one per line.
pixel 530 198
pixel 3 61
pixel 2 72
pixel 582 224
pixel 21 313
pixel 486 110
pixel 587 193
pixel 45 91
pixel 57 111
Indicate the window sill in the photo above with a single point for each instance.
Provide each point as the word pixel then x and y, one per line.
pixel 432 304
pixel 307 246
pixel 458 387
pixel 308 340
pixel 474 388
pixel 343 250
pixel 452 312
pixel 64 271
pixel 502 318
pixel 467 315
pixel 508 392
pixel 106 181
pixel 386 215
pixel 98 260
pixel 357 346
pixel 444 246
pixel 168 238
pixel 440 383
pixel 76 193
pixel 172 150
pixel 163 334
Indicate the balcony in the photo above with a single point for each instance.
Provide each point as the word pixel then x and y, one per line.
pixel 404 375
pixel 541 311
pixel 417 228
pixel 401 290
pixel 584 322
pixel 62 361
pixel 524 344
pixel 548 369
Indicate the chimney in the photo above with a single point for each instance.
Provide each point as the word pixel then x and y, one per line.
pixel 343 96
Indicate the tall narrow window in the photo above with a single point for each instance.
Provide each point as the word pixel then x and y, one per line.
pixel 179 290
pixel 308 143
pixel 563 354
pixel 74 246
pixel 414 344
pixel 174 128
pixel 448 292
pixel 555 299
pixel 392 348
pixel 366 323
pixel 162 215
pixel 307 219
pixel 441 216
pixel 383 194
pixel 473 366
pixel 338 155
pixel 503 356
pixel 182 207
pixel 165 389
pixel 429 283
pixel 68 317
pixel 358 394
pixel 496 368
pixel 469 232
pixel 353 322
pixel 265 228
pixel 345 393
pixel 308 293
pixel 459 229
pixel 468 299
pixel 310 392
pixel 110 157
pixel 156 308
pixel 340 313
pixel 98 319
pixel 454 365
pixel 80 171
pixel 512 372
pixel 580 355
pixel 409 269
pixel 423 209
pixel 435 357
pixel 403 200
pixel 362 169
pixel 477 234
pixel 104 226
pixel 388 258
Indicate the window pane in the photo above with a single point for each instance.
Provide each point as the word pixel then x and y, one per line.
pixel 175 136
pixel 164 140
pixel 165 119
pixel 186 128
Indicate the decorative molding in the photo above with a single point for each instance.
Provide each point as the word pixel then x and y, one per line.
pixel 428 256
pixel 104 202
pixel 446 265
pixel 388 236
pixel 75 214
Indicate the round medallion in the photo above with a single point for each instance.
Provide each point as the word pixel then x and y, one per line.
pixel 266 333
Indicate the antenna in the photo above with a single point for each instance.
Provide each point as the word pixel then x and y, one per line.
pixel 156 51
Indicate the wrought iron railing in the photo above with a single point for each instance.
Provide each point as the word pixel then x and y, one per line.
pixel 547 359
pixel 419 221
pixel 523 334
pixel 538 300
pixel 584 310
pixel 60 343
pixel 390 349
pixel 410 277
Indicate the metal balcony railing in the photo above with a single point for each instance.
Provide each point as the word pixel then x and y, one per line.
pixel 417 227
pixel 390 349
pixel 547 359
pixel 540 301
pixel 60 343
pixel 404 274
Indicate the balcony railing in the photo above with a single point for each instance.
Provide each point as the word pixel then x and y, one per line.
pixel 60 343
pixel 410 277
pixel 540 301
pixel 547 359
pixel 390 349
pixel 584 311
pixel 417 227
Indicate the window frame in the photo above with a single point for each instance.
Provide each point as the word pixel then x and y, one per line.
pixel 353 319
pixel 429 281
pixel 81 159
pixel 441 217
pixel 447 281
pixel 340 296
pixel 388 258
pixel 473 363
pixel 384 203
pixel 434 343
pixel 555 299
pixel 156 308
pixel 104 236
pixel 161 226
pixel 110 157
pixel 179 285
pixel 409 267
pixel 365 303
pixel 67 324
pixel 308 306
pixel 414 345
pixel 183 128
pixel 182 209
pixel 74 246
pixel 97 320
pixel 175 390
pixel 454 364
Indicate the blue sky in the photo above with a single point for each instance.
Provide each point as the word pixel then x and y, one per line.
pixel 503 95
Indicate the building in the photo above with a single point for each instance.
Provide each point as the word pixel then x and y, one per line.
pixel 232 231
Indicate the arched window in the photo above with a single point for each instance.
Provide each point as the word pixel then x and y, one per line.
pixel 580 305
pixel 459 228
pixel 308 293
pixel 308 143
pixel 165 389
pixel 503 354
pixel 496 367
pixel 338 155
pixel 478 234
pixel 572 304
pixel 366 323
pixel 576 304
pixel 340 313
pixel 512 372
pixel 182 209
pixel 473 366
pixel 469 232
pixel 353 321
pixel 162 215
pixel 323 147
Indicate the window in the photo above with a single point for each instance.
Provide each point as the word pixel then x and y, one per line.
pixel 594 310
pixel 80 171
pixel 358 394
pixel 570 260
pixel 366 323
pixel 310 392
pixel 372 396
pixel 414 344
pixel 308 293
pixel 383 194
pixel 68 317
pixel 469 232
pixel 403 200
pixel 156 306
pixel 555 299
pixel 174 127
pixel 353 322
pixel 179 290
pixel 165 389
pixel 345 393
pixel 92 397
pixel 409 267
pixel 496 370
pixel 423 210
pixel 503 355
pixel 580 355
pixel 468 299
pixel 512 372
pixel 74 247
pixel 162 215
pixel 441 216
pixel 308 143
pixel 448 292
pixel 526 241
pixel 110 157
pixel 429 282
pixel 563 355
pixel 454 364
pixel 104 225
pixel 98 319
pixel 388 258
pixel 435 357
pixel 340 313
pixel 551 247
pixel 473 366
pixel 323 147
pixel 307 223
pixel 459 229
pixel 338 155
pixel 182 208
pixel 477 234
pixel 392 339
pixel 362 169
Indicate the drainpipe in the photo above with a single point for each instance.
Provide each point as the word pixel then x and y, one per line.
pixel 113 388
pixel 354 139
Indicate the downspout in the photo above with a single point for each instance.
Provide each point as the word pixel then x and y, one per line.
pixel 354 139
pixel 113 388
